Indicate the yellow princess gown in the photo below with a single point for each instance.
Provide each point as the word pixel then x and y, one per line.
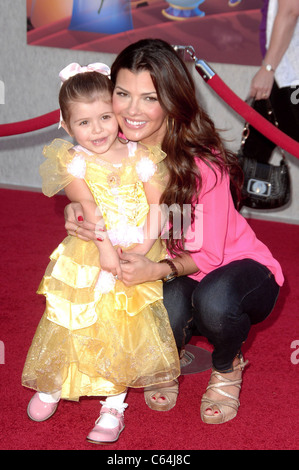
pixel 97 337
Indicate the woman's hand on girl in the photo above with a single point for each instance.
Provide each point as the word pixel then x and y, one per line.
pixel 76 225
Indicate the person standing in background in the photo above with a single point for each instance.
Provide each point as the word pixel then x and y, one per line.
pixel 278 76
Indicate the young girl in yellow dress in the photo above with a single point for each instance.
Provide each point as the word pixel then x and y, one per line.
pixel 97 336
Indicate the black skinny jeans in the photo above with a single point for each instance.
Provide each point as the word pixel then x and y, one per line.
pixel 222 307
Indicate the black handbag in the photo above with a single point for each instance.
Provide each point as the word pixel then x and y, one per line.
pixel 265 186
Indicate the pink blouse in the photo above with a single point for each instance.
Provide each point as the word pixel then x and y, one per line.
pixel 220 234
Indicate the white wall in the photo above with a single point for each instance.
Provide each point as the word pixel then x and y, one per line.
pixel 29 75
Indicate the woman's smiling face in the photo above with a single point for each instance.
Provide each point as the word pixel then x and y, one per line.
pixel 137 109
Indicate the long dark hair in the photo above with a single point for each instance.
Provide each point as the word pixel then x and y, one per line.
pixel 190 131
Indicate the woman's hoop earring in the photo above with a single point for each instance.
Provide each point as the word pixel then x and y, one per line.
pixel 122 140
pixel 170 124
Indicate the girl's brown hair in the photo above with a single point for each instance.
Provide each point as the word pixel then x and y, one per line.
pixel 85 86
pixel 190 131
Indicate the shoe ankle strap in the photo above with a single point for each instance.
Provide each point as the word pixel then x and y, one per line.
pixel 242 364
pixel 119 411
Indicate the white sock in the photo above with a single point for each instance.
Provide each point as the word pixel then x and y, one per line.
pixel 50 397
pixel 117 402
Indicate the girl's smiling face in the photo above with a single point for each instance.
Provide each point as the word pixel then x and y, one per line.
pixel 93 124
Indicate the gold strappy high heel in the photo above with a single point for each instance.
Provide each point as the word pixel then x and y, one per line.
pixel 223 410
pixel 170 393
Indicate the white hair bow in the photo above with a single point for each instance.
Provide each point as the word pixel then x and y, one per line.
pixel 74 68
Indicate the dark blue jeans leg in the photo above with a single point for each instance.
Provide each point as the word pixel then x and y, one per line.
pixel 228 301
pixel 178 303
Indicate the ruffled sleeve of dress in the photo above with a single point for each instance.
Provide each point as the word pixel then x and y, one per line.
pixel 60 167
pixel 151 167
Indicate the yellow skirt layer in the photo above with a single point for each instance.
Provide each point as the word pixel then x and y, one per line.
pixel 96 345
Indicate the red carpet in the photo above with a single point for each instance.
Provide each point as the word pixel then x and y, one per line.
pixel 32 226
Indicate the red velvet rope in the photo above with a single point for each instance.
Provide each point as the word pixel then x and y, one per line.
pixel 241 107
pixel 253 117
pixel 22 127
